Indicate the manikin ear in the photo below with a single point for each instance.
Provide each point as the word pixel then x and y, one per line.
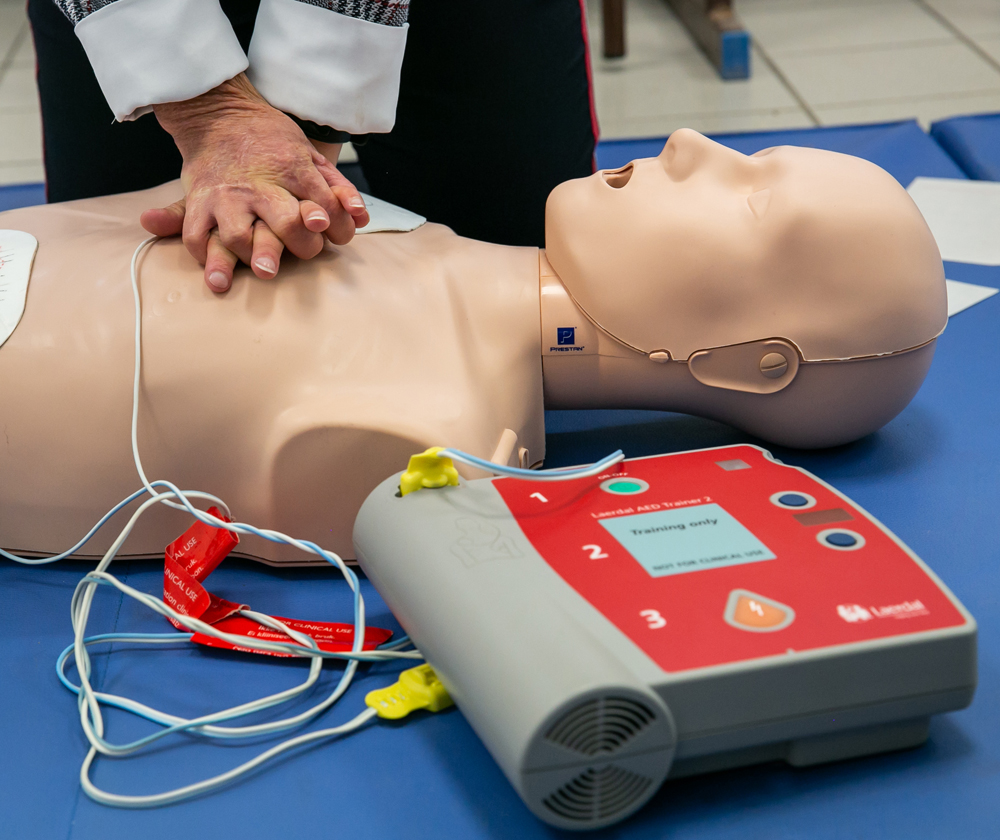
pixel 758 202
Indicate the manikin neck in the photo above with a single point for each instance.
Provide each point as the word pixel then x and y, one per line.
pixel 584 366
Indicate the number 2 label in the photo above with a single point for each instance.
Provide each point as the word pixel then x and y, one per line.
pixel 595 551
pixel 653 619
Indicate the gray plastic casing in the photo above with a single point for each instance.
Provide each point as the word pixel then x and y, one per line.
pixel 582 722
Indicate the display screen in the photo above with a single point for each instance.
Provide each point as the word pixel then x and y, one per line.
pixel 688 539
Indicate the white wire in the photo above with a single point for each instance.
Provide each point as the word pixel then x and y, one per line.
pixel 188 791
pixel 89 701
pixel 163 492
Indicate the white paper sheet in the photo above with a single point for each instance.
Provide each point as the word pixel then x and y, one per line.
pixel 385 216
pixel 17 252
pixel 964 217
pixel 963 295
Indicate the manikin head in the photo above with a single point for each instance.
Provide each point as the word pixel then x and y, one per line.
pixel 786 292
pixel 704 247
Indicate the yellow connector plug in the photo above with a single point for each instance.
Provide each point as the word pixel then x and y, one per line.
pixel 428 470
pixel 418 688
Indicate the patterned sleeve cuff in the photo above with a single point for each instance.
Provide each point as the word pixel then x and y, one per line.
pixel 145 52
pixel 335 62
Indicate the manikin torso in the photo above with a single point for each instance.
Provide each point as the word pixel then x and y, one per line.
pixel 291 399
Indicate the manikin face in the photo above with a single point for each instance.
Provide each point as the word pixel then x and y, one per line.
pixel 703 247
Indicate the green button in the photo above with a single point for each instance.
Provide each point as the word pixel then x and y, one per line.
pixel 622 486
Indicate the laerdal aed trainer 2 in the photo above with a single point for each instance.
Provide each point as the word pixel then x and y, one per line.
pixel 675 615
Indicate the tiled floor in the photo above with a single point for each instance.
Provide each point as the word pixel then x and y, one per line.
pixel 20 128
pixel 815 62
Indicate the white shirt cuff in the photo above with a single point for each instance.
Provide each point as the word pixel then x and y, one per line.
pixel 145 52
pixel 327 67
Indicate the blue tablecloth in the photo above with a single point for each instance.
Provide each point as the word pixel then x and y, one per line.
pixel 930 475
pixel 973 143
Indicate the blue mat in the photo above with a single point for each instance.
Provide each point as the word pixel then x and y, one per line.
pixel 901 148
pixel 13 196
pixel 930 475
pixel 973 142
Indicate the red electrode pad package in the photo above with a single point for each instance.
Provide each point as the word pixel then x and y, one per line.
pixel 194 555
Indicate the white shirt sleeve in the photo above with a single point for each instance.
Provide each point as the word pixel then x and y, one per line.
pixel 145 52
pixel 336 69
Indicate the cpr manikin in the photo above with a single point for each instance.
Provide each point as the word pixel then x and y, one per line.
pixel 796 294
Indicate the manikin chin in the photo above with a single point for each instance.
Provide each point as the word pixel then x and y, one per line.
pixel 795 294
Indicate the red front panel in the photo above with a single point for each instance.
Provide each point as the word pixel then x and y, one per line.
pixel 731 557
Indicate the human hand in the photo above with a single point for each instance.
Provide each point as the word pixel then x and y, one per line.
pixel 253 185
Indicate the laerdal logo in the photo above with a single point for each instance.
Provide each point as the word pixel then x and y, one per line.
pixel 854 613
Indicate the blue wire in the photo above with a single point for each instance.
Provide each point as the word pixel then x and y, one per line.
pixel 517 472
pixel 110 637
pixel 166 730
pixel 39 561
pixel 358 644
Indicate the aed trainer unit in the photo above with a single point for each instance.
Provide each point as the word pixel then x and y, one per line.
pixel 675 615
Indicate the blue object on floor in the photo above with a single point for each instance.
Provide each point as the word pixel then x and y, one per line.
pixel 735 55
pixel 930 475
pixel 13 196
pixel 901 148
pixel 973 142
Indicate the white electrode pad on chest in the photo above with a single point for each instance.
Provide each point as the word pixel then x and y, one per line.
pixel 17 253
pixel 389 217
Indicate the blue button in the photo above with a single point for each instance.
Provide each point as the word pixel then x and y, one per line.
pixel 793 500
pixel 841 540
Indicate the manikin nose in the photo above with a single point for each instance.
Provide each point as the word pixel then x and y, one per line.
pixel 687 152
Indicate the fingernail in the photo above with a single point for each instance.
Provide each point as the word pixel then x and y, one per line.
pixel 316 217
pixel 218 280
pixel 357 201
pixel 266 264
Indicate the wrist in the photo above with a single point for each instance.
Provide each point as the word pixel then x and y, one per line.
pixel 188 121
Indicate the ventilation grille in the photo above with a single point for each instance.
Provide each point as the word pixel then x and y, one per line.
pixel 600 726
pixel 598 794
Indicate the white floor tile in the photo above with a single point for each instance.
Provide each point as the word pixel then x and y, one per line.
pixel 30 172
pixel 888 73
pixel 975 18
pixel 12 20
pixel 742 6
pixel 348 154
pixel 708 123
pixel 652 33
pixel 18 89
pixel 926 110
pixel 991 46
pixel 20 135
pixel 791 29
pixel 24 55
pixel 684 84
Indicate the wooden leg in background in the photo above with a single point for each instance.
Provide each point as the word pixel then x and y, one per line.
pixel 614 28
pixel 718 31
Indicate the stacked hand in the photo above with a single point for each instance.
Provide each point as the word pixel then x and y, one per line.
pixel 253 185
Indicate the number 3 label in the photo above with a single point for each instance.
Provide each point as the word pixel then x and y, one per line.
pixel 653 619
pixel 595 552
